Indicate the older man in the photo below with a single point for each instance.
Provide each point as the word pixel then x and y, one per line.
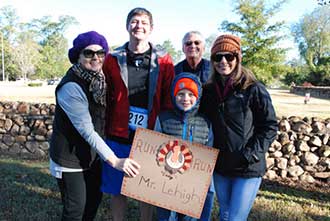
pixel 193 46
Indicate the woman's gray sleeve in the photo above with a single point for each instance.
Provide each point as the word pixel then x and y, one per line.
pixel 74 103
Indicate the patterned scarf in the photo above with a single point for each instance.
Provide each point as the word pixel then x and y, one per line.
pixel 96 80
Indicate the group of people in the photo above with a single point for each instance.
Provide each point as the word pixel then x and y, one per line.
pixel 219 100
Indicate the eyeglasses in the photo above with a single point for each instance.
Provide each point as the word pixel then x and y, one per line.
pixel 90 53
pixel 218 57
pixel 189 43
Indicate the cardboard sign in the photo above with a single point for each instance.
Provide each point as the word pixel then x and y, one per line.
pixel 175 174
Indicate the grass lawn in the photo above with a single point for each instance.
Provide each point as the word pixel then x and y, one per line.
pixel 28 192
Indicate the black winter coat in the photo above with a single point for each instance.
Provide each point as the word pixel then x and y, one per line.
pixel 244 126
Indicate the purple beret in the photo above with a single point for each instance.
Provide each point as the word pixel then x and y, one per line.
pixel 85 39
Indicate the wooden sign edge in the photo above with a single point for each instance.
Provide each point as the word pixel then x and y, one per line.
pixel 188 212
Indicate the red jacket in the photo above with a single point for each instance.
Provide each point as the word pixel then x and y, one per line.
pixel 159 96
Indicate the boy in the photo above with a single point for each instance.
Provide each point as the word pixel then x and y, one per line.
pixel 186 123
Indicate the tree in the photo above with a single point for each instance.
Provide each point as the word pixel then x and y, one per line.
pixel 9 28
pixel 297 72
pixel 168 46
pixel 208 45
pixel 27 54
pixel 260 38
pixel 35 49
pixel 323 2
pixel 312 34
pixel 54 45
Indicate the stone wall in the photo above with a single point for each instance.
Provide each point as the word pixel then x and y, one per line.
pixel 301 150
pixel 25 129
pixel 318 92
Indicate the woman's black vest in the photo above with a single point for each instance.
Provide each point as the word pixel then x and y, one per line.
pixel 67 146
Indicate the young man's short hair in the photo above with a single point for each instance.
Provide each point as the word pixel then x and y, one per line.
pixel 139 11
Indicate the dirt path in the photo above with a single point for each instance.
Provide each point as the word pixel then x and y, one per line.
pixel 285 103
pixel 21 92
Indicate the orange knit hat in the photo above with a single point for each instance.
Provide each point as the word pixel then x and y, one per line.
pixel 228 43
pixel 186 83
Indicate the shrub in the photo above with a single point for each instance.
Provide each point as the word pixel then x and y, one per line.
pixel 39 84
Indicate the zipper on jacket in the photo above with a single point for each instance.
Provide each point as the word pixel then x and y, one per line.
pixel 221 107
pixel 184 130
pixel 191 133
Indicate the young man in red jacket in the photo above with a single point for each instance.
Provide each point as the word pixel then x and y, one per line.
pixel 139 76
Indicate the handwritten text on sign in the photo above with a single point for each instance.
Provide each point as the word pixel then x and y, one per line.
pixel 175 174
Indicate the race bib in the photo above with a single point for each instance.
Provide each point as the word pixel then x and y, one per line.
pixel 138 117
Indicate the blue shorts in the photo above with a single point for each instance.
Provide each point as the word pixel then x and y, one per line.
pixel 112 178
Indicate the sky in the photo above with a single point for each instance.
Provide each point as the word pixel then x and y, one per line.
pixel 172 18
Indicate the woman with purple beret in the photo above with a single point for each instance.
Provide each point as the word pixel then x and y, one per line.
pixel 77 145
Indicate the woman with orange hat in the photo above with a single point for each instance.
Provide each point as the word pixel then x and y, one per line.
pixel 244 126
